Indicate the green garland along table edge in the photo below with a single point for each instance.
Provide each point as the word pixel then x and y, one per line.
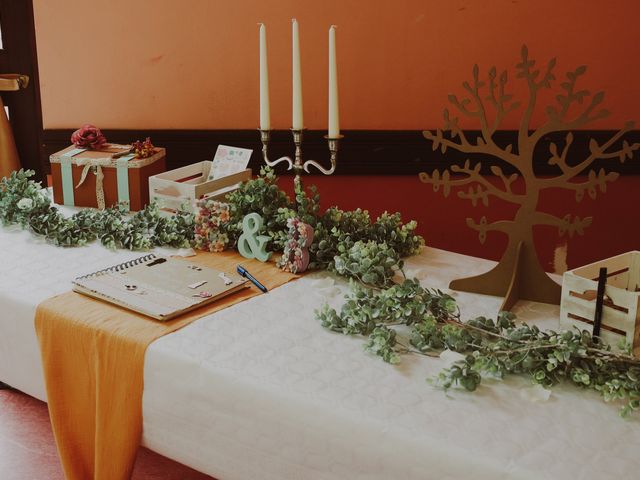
pixel 350 244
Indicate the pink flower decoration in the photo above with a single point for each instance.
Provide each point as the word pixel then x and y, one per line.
pixel 144 149
pixel 210 224
pixel 295 258
pixel 88 136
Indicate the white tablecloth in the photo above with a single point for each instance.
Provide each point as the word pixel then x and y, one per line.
pixel 261 390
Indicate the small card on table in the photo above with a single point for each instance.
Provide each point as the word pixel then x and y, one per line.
pixel 229 160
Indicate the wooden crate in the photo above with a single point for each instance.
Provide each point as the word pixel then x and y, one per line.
pixel 620 313
pixel 186 185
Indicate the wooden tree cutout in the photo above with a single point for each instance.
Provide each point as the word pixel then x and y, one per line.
pixel 519 275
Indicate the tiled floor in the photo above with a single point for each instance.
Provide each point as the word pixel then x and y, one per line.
pixel 28 451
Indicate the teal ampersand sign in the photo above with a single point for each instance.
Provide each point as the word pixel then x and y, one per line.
pixel 250 244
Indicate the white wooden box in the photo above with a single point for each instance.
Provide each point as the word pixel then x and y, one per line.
pixel 186 185
pixel 620 312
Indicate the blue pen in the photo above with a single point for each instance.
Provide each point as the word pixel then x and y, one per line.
pixel 243 271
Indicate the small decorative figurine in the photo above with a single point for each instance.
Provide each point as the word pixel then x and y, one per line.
pixel 250 244
pixel 295 258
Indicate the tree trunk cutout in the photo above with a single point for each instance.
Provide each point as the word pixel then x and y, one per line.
pixel 519 274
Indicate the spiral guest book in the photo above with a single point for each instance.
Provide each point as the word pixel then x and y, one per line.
pixel 159 287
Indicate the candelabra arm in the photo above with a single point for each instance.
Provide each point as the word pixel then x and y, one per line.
pixel 265 136
pixel 313 163
pixel 334 143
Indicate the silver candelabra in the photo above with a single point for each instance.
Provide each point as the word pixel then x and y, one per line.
pixel 297 164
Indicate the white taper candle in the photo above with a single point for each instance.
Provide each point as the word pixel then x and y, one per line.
pixel 334 113
pixel 265 112
pixel 298 122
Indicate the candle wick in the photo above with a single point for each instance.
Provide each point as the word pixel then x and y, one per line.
pixel 260 24
pixel 334 26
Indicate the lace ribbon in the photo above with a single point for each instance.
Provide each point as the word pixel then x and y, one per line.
pixel 95 165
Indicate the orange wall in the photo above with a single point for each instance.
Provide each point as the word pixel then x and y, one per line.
pixel 194 63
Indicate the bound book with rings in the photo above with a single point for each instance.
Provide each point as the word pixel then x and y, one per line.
pixel 159 287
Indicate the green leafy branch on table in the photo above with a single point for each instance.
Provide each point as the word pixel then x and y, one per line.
pixel 23 202
pixel 346 242
pixel 409 319
pixel 397 319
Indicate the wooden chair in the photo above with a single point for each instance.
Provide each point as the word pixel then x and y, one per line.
pixel 9 160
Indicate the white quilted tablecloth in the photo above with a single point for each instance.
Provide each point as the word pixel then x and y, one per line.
pixel 261 391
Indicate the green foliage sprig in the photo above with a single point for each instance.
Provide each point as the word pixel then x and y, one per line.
pixel 373 313
pixel 23 202
pixel 260 195
pixel 370 262
pixel 346 242
pixel 342 237
pixel 430 321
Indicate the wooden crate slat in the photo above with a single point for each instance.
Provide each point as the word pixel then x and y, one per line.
pixel 186 185
pixel 608 336
pixel 610 317
pixel 613 264
pixel 210 186
pixel 580 285
pixel 634 273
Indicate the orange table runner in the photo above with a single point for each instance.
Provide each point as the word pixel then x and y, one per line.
pixel 93 359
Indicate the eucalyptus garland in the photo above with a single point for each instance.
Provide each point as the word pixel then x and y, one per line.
pixel 409 319
pixel 396 319
pixel 346 242
pixel 23 202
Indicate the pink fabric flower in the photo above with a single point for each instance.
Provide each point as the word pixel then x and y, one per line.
pixel 88 136
pixel 295 258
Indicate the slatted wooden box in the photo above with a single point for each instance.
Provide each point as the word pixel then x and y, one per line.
pixel 186 185
pixel 620 313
